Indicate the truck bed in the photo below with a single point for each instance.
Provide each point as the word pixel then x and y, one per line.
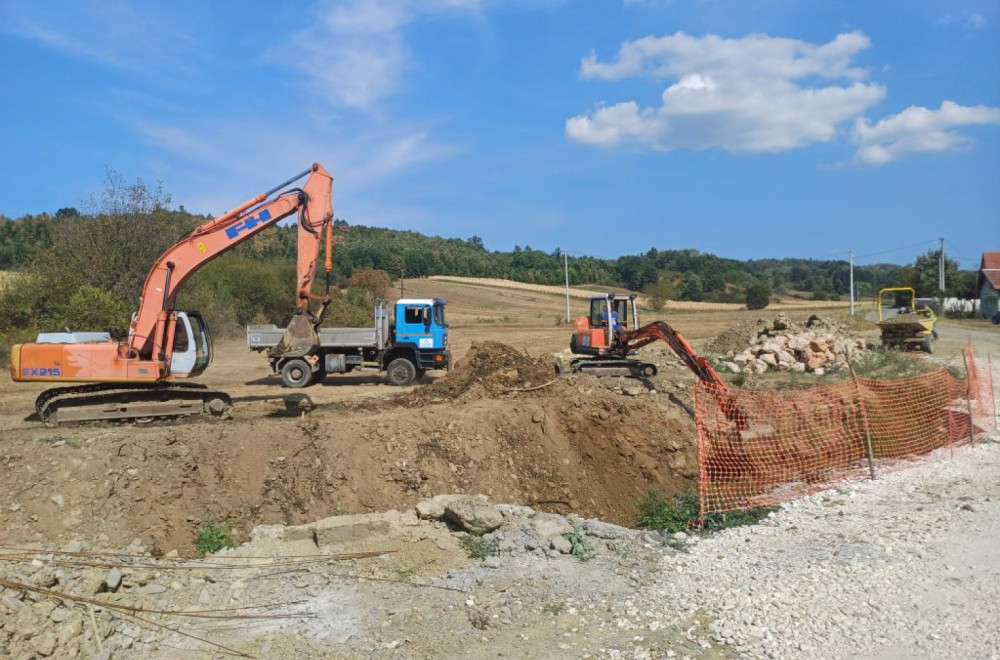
pixel 260 337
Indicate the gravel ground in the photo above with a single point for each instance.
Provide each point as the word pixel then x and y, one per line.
pixel 907 566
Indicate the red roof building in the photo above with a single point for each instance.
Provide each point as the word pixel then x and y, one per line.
pixel 989 284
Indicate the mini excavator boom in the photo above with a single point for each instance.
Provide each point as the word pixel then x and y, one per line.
pixel 136 378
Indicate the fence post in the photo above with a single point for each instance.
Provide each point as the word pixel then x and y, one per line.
pixel 864 421
pixel 702 471
pixel 993 390
pixel 968 396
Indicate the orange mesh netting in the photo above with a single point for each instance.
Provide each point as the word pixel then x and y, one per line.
pixel 785 444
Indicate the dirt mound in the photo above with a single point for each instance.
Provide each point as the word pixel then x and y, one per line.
pixel 733 339
pixel 489 367
pixel 574 446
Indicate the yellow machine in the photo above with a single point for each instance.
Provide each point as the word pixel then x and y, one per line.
pixel 910 330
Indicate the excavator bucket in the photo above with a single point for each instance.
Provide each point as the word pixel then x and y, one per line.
pixel 300 338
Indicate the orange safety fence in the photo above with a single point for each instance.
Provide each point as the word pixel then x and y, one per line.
pixel 785 444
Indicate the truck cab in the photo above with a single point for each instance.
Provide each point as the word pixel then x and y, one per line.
pixel 419 340
pixel 421 321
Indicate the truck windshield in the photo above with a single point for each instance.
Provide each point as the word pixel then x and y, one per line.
pixel 439 315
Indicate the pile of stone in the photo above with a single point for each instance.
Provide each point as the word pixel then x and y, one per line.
pixel 787 346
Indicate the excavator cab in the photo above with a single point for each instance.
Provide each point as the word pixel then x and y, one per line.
pixel 192 347
pixel 609 314
pixel 620 308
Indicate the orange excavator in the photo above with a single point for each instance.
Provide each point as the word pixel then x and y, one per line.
pixel 611 333
pixel 138 378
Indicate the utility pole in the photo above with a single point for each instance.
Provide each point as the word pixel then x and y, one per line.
pixel 941 269
pixel 852 282
pixel 402 276
pixel 566 266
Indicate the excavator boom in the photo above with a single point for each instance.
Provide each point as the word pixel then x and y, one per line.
pixel 147 334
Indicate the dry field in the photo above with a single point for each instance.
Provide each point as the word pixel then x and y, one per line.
pixel 584 294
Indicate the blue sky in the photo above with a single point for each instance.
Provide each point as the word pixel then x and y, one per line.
pixel 744 128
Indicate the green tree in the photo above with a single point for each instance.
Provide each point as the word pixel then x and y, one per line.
pixel 693 289
pixel 758 295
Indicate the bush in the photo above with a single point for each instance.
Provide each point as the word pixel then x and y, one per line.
pixel 91 309
pixel 657 511
pixel 479 547
pixel 758 295
pixel 214 536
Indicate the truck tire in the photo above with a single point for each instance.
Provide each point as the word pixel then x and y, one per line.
pixel 296 373
pixel 926 346
pixel 400 372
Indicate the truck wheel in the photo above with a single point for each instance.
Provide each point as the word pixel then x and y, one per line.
pixel 927 344
pixel 296 373
pixel 400 372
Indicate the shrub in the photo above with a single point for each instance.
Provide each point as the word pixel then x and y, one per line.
pixel 93 309
pixel 581 546
pixel 758 295
pixel 479 547
pixel 657 511
pixel 214 535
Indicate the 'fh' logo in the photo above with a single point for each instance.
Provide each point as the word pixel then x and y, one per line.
pixel 248 224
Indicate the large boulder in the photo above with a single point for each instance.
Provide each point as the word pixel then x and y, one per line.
pixel 476 515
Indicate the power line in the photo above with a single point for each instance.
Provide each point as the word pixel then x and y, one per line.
pixel 905 247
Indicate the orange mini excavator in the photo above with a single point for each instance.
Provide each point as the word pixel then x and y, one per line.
pixel 611 333
pixel 137 378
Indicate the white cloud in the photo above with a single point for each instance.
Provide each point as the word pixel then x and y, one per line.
pixel 754 94
pixel 218 150
pixel 918 130
pixel 146 42
pixel 356 53
pixel 970 20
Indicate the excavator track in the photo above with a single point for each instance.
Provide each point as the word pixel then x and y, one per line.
pixel 138 402
pixel 613 367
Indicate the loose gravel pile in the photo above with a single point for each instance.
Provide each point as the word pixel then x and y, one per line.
pixel 904 567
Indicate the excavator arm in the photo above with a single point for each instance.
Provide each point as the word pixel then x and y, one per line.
pixel 149 331
pixel 660 330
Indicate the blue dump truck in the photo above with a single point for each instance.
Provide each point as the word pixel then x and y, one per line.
pixel 415 340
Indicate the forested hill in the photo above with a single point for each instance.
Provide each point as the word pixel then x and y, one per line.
pixel 664 273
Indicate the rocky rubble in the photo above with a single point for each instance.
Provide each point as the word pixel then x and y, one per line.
pixel 904 566
pixel 783 345
pixel 273 574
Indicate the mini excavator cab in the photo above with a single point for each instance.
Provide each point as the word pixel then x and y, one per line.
pixel 609 315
